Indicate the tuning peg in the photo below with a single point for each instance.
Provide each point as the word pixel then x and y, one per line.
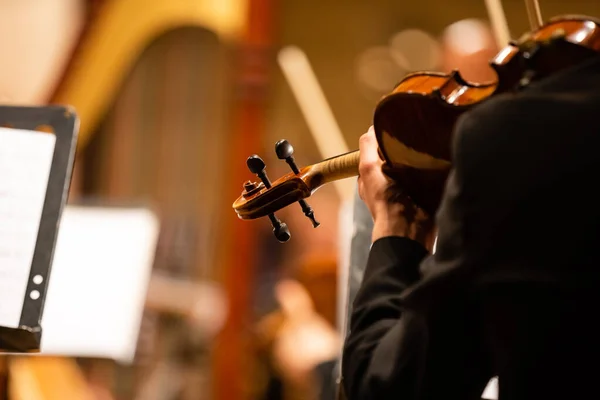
pixel 310 214
pixel 257 166
pixel 285 151
pixel 280 229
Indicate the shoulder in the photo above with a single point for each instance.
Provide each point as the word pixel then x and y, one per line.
pixel 570 97
pixel 488 131
pixel 528 139
pixel 507 114
pixel 543 117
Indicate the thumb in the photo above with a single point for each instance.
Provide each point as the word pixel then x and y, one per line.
pixel 294 300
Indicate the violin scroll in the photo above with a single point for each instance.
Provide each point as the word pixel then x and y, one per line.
pixel 257 166
pixel 264 198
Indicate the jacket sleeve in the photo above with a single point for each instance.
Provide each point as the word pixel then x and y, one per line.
pixel 384 346
pixel 393 352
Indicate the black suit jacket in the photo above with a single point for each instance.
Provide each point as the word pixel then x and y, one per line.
pixel 512 290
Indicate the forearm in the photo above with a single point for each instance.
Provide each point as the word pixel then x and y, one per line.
pixel 379 332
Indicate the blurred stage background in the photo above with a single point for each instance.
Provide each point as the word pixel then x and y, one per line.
pixel 173 96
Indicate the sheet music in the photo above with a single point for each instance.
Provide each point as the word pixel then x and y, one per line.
pixel 25 162
pixel 97 290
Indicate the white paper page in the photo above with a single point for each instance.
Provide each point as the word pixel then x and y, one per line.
pixel 25 161
pixel 98 284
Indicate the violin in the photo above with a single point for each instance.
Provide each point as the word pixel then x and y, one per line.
pixel 414 124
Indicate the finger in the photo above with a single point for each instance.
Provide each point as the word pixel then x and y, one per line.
pixel 368 148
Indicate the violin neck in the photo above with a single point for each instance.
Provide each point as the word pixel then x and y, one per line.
pixel 334 169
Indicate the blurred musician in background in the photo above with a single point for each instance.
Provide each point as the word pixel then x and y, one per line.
pixel 296 340
pixel 513 282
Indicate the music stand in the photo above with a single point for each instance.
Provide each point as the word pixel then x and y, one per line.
pixel 24 333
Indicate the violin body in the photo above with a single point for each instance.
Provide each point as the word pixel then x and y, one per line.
pixel 420 114
pixel 414 124
pixel 423 109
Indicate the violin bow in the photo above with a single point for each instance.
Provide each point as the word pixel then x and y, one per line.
pixel 534 14
pixel 500 25
pixel 316 110
pixel 498 22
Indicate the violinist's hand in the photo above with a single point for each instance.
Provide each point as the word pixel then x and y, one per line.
pixel 393 213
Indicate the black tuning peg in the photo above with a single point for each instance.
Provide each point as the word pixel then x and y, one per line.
pixel 257 166
pixel 285 151
pixel 280 229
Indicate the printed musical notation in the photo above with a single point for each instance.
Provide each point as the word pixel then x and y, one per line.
pixel 25 162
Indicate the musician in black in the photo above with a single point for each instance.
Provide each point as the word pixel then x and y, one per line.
pixel 512 289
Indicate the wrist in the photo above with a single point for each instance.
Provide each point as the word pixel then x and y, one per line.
pixel 393 222
pixel 392 225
